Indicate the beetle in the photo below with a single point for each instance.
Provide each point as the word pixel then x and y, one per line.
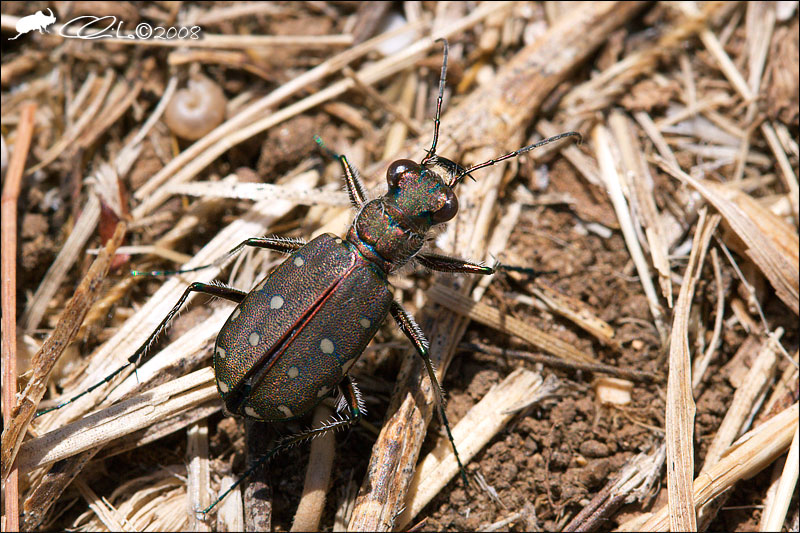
pixel 290 341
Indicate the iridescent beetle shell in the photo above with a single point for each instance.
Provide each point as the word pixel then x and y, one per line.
pixel 294 337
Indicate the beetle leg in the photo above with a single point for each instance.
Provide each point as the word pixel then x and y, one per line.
pixel 411 330
pixel 350 398
pixel 351 395
pixel 444 263
pixel 530 272
pixel 279 244
pixel 355 188
pixel 219 291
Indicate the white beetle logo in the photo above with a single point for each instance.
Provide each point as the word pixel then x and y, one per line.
pixel 37 21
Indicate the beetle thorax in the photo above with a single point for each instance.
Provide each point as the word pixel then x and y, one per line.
pixel 384 235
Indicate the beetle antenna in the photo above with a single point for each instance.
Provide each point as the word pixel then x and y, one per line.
pixel 515 153
pixel 436 117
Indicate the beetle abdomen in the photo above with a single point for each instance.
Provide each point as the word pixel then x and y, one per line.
pixel 292 339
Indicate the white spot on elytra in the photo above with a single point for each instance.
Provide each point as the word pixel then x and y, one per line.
pixel 276 302
pixel 249 411
pixel 285 410
pixel 298 261
pixel 254 338
pixel 221 352
pixel 326 345
pixel 293 372
pixel 223 387
pixel 236 313
pixel 338 241
pixel 365 322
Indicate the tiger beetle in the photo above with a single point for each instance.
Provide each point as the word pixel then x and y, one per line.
pixel 291 341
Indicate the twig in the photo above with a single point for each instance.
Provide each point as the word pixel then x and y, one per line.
pixel 576 311
pixel 681 408
pixel 258 490
pixel 633 482
pixel 383 102
pixel 110 517
pixel 701 363
pixel 47 356
pixel 789 177
pixel 11 190
pixel 318 474
pixel 758 378
pixel 227 188
pixel 471 434
pixel 776 513
pixel 749 455
pixel 494 318
pixel 198 477
pixel 230 515
pixel 611 178
pixel 565 364
pixel 641 192
pixel 119 420
pixel 83 230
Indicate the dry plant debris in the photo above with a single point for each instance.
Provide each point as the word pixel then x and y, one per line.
pixel 665 247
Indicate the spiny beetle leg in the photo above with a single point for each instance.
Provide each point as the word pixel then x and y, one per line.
pixel 105 380
pixel 283 245
pixel 411 330
pixel 444 263
pixel 279 244
pixel 355 188
pixel 219 291
pixel 350 394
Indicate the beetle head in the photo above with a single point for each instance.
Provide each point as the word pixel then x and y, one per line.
pixel 421 192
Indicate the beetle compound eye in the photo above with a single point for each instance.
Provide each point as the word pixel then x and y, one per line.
pixel 448 209
pixel 396 170
pixel 196 110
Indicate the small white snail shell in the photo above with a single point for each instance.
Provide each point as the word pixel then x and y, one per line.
pixel 196 110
